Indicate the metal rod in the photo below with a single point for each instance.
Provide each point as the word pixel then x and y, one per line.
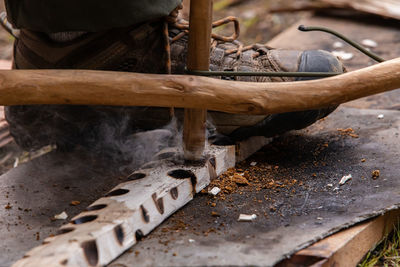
pixel 266 74
pixel 344 38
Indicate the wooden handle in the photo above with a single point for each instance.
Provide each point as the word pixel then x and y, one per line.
pixel 194 126
pixel 84 87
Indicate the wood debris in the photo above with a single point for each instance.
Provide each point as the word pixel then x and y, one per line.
pixel 348 132
pixel 345 179
pixel 75 203
pixel 376 174
pixel 385 8
pixel 239 179
pixel 247 217
pixel 369 43
pixel 62 216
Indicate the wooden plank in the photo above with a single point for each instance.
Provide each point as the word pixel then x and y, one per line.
pixel 194 126
pixel 348 247
pixel 385 8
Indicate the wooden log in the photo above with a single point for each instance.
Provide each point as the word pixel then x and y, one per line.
pixel 85 87
pixel 194 127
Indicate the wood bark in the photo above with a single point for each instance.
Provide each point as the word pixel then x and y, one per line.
pixel 85 87
pixel 194 128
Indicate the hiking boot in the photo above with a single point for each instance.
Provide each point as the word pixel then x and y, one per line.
pixel 233 56
pixel 141 48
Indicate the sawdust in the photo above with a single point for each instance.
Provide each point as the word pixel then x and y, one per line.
pixel 228 182
pixel 376 174
pixel 246 177
pixel 177 226
pixel 348 132
pixel 239 179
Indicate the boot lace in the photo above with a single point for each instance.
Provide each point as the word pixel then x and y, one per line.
pixel 174 21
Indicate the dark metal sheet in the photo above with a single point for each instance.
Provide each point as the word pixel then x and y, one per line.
pixel 46 186
pixel 312 212
pixel 32 193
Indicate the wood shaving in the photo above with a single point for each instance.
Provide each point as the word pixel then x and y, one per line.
pixel 214 191
pixel 345 179
pixel 75 203
pixel 247 217
pixel 62 216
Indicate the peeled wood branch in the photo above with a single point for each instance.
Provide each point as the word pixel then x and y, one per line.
pixel 84 87
pixel 198 58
